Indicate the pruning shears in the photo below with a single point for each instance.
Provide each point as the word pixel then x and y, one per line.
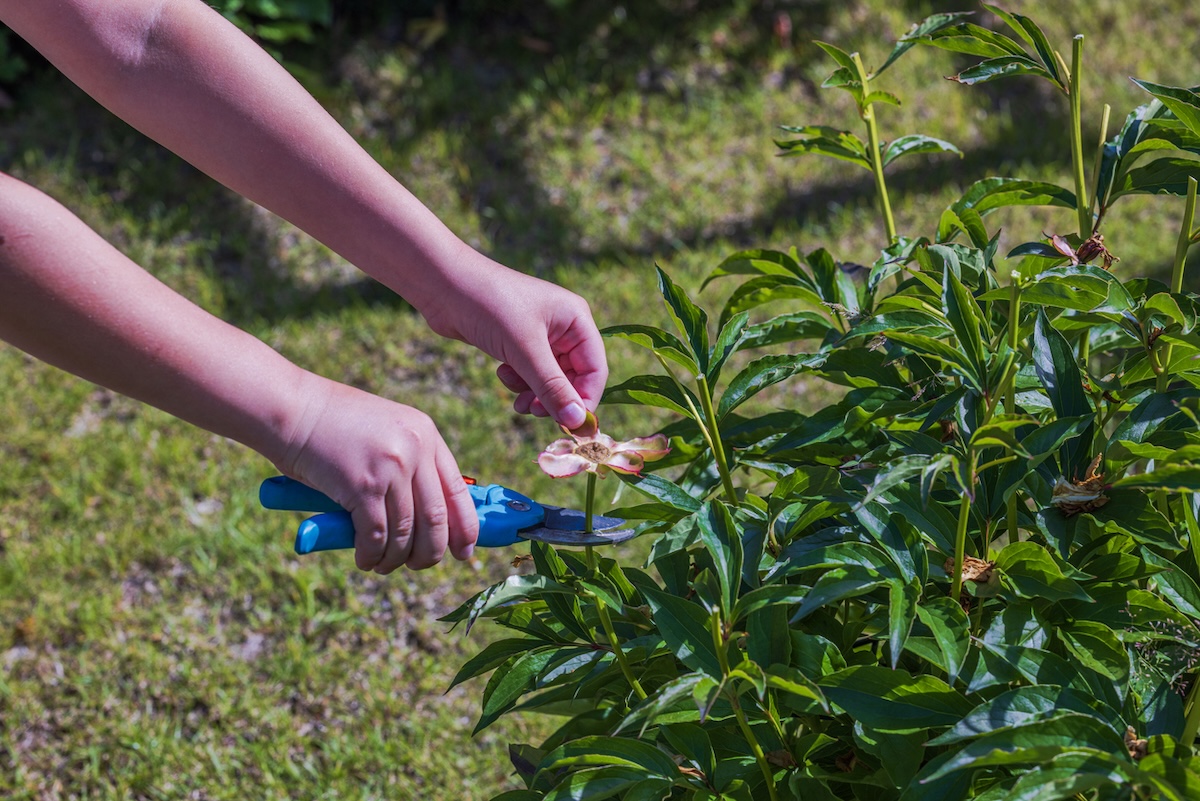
pixel 506 517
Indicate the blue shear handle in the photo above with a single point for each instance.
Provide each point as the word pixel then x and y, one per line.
pixel 502 513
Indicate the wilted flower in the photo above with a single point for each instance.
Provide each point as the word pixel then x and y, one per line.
pixel 973 569
pixel 1073 497
pixel 591 451
pixel 1092 247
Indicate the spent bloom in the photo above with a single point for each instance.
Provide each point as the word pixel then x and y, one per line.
pixel 591 451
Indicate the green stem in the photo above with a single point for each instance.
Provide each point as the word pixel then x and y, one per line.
pixel 875 151
pixel 609 631
pixel 589 503
pixel 960 540
pixel 1182 244
pixel 1189 518
pixel 1192 723
pixel 1184 241
pixel 1010 402
pixel 622 660
pixel 1100 160
pixel 1083 206
pixel 715 439
pixel 755 748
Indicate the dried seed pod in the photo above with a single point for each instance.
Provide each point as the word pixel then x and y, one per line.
pixel 1137 746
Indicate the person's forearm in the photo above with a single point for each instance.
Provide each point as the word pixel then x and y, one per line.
pixel 183 75
pixel 71 299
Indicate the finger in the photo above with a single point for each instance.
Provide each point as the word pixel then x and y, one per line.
pixel 552 387
pixel 463 521
pixel 400 513
pixel 511 378
pixel 430 518
pixel 522 402
pixel 589 366
pixel 537 409
pixel 370 533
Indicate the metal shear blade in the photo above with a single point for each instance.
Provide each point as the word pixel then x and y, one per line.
pixel 565 527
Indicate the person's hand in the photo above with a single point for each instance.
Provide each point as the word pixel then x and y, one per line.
pixel 388 466
pixel 551 353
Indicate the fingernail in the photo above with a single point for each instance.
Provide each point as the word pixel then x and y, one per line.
pixel 573 415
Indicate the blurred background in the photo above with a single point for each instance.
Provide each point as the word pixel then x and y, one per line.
pixel 158 637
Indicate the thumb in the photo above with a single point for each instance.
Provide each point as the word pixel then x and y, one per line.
pixel 553 389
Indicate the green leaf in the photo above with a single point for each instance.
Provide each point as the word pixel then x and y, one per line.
pixel 596 751
pixel 902 611
pixel 893 700
pixel 965 316
pixel 1184 103
pixel 663 490
pixel 693 743
pixel 975 40
pixel 916 143
pixel 653 390
pixel 513 588
pixel 989 194
pixel 1034 573
pixel 663 700
pixel 794 682
pixel 757 376
pixel 1096 647
pixel 667 345
pixel 836 585
pixel 508 683
pixel 684 627
pixel 494 655
pixel 949 624
pixel 1172 478
pixel 1031 33
pixel 768 288
pixel 1162 176
pixel 785 328
pixel 1015 708
pixel 689 318
pixel 1003 67
pixel 825 141
pixel 917 33
pixel 722 537
pixel 1054 362
pixel 843 59
pixel 598 783
pixel 762 263
pixel 728 341
pixel 1035 743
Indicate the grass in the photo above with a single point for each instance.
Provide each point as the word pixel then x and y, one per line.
pixel 158 639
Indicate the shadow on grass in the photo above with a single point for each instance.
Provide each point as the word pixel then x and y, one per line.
pixel 481 73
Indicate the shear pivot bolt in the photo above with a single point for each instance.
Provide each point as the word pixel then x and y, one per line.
pixel 518 506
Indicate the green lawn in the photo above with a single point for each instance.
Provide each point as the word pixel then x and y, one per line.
pixel 158 637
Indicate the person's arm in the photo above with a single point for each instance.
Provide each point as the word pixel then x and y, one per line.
pixel 71 299
pixel 186 77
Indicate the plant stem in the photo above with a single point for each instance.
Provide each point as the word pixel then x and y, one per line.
pixel 1192 723
pixel 1099 161
pixel 609 631
pixel 714 621
pixel 1163 379
pixel 589 503
pixel 1184 241
pixel 960 541
pixel 622 660
pixel 868 114
pixel 1010 402
pixel 1083 206
pixel 715 440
